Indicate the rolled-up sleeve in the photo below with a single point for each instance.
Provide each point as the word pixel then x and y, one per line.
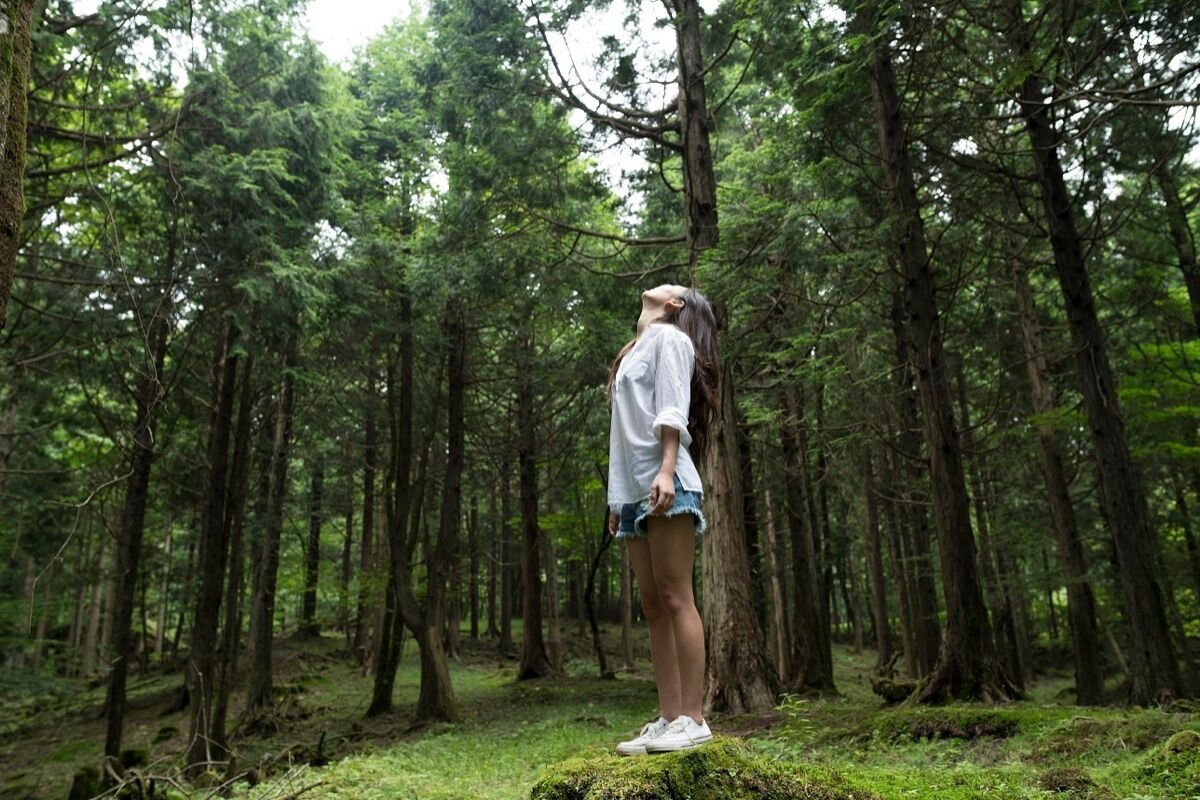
pixel 673 385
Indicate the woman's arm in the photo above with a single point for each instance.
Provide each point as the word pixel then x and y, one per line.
pixel 662 488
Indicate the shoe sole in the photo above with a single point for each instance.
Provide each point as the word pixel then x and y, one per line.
pixel 631 751
pixel 667 748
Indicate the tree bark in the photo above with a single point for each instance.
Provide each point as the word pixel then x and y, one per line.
pixel 15 49
pixel 740 676
pixel 699 181
pixel 779 604
pixel 1154 672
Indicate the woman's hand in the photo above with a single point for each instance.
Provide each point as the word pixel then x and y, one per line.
pixel 662 491
pixel 614 519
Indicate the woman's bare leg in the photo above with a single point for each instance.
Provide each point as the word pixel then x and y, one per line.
pixel 672 543
pixel 662 635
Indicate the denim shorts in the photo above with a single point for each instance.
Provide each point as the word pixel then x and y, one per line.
pixel 633 515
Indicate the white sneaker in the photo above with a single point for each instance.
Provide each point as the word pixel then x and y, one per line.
pixel 683 732
pixel 637 746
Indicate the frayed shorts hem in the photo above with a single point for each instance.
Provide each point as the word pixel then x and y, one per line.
pixel 634 515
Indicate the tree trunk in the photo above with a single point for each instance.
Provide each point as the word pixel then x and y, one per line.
pixel 495 555
pixel 740 675
pixel 807 664
pixel 535 662
pixel 505 645
pixel 164 583
pixel 400 492
pixel 133 518
pixel 262 609
pixel 626 609
pixel 473 585
pixel 1001 610
pixel 15 51
pixel 879 609
pixel 312 554
pixel 235 519
pixel 754 546
pixel 367 559
pixel 1081 604
pixel 699 182
pixel 214 547
pixel 347 571
pixel 779 607
pixel 967 667
pixel 436 700
pixel 554 644
pixel 915 549
pixel 1154 671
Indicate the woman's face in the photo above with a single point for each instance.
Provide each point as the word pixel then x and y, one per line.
pixel 657 300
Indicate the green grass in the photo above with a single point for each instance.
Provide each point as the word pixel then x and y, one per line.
pixel 511 734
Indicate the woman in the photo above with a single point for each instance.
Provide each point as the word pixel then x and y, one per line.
pixel 662 389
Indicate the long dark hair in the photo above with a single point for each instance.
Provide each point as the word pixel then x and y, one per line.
pixel 697 320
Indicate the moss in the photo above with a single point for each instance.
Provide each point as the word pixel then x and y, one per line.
pixel 723 769
pixel 948 722
pixel 86 784
pixel 1074 782
pixel 1174 766
pixel 1093 735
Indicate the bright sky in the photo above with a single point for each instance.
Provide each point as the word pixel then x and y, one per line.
pixel 339 26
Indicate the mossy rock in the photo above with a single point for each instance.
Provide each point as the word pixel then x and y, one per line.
pixel 1174 766
pixel 1073 782
pixel 1184 742
pixel 723 769
pixel 948 722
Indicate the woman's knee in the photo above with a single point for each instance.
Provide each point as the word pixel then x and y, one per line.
pixel 673 599
pixel 652 605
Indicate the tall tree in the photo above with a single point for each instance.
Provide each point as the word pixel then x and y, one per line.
pixel 1155 672
pixel 967 667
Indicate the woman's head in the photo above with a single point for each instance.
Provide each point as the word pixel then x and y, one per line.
pixel 690 311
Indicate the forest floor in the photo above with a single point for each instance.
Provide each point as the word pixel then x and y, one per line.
pixel 1042 747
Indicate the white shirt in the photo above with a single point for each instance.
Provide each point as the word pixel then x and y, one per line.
pixel 652 388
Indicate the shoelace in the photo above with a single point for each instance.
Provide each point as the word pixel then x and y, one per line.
pixel 648 727
pixel 677 725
